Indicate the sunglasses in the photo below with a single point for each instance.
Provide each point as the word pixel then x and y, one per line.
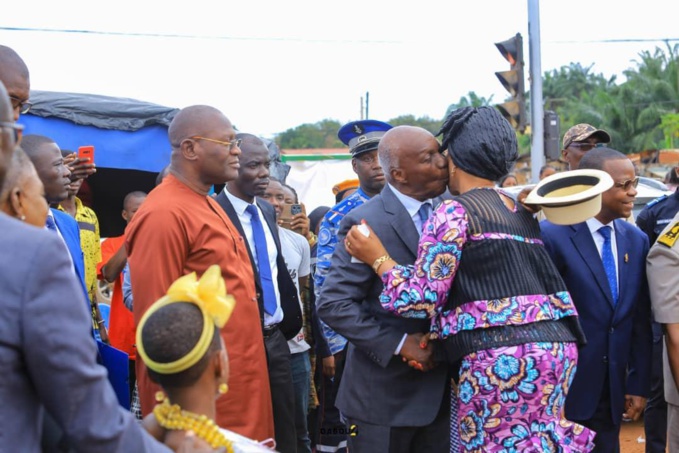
pixel 586 146
pixel 627 184
pixel 23 106
pixel 17 128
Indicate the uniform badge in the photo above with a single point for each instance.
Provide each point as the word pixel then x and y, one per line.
pixel 324 236
pixel 670 237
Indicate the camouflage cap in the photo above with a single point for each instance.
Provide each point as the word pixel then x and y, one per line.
pixel 583 131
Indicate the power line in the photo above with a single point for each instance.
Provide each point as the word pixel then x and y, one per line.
pixel 614 41
pixel 208 37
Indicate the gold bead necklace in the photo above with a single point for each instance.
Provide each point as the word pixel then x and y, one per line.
pixel 171 416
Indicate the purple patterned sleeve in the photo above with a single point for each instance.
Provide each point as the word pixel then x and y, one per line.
pixel 419 290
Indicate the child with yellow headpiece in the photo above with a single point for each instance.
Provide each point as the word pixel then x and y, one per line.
pixel 178 340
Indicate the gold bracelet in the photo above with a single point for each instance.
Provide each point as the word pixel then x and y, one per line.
pixel 380 261
pixel 312 240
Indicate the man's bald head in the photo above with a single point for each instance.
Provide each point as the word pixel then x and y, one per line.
pixel 196 120
pixel 203 147
pixel 391 146
pixel 412 163
pixel 14 75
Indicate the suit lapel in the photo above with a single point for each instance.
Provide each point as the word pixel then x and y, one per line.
pixel 270 217
pixel 584 243
pixel 72 242
pixel 400 220
pixel 224 202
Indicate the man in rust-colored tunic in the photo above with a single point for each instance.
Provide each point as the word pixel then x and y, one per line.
pixel 178 230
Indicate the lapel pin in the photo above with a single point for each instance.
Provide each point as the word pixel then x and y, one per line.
pixel 626 257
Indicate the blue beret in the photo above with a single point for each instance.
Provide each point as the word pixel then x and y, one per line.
pixel 362 136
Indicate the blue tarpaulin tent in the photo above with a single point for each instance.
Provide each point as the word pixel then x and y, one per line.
pixel 127 134
pixel 129 138
pixel 130 142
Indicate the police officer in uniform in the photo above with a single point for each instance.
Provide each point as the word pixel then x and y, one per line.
pixel 362 137
pixel 662 268
pixel 655 217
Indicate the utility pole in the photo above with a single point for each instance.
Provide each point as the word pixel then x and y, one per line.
pixel 367 105
pixel 537 149
pixel 362 108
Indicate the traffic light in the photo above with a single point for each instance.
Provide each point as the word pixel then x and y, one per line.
pixel 551 140
pixel 513 110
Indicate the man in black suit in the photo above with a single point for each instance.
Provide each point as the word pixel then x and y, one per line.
pixel 276 293
pixel 388 406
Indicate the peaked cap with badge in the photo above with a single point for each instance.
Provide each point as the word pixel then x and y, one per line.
pixel 362 136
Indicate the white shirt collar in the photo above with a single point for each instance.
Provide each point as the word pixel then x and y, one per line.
pixel 412 205
pixel 594 225
pixel 238 205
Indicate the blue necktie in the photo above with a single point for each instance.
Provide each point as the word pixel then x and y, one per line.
pixel 263 260
pixel 50 224
pixel 609 261
pixel 424 212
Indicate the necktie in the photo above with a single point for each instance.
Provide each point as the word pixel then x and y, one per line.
pixel 424 212
pixel 609 261
pixel 50 224
pixel 263 260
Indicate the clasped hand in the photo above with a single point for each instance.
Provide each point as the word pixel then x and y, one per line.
pixel 418 351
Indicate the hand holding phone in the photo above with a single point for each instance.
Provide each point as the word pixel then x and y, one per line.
pixel 86 152
pixel 293 217
pixel 83 166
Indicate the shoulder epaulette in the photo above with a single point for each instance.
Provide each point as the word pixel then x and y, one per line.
pixel 656 201
pixel 670 237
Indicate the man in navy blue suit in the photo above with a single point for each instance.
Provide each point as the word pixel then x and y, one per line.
pixel 602 262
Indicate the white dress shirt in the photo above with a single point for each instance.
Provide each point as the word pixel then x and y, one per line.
pixel 240 207
pixel 594 225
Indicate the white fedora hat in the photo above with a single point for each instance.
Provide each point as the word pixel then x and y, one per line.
pixel 571 197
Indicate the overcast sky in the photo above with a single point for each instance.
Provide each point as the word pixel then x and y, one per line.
pixel 273 65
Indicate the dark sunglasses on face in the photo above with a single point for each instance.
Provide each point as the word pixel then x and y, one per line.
pixel 584 147
pixel 627 184
pixel 17 128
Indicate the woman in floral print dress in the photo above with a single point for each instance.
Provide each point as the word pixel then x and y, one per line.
pixel 494 296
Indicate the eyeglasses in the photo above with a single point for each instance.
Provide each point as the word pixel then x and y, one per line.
pixel 231 144
pixel 627 184
pixel 23 106
pixel 586 146
pixel 17 128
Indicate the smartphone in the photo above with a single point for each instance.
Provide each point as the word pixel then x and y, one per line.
pixel 86 152
pixel 288 211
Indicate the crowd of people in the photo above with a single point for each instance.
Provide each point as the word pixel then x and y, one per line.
pixel 425 309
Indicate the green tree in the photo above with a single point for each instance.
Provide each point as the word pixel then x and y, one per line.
pixel 424 122
pixel 670 128
pixel 322 134
pixel 471 100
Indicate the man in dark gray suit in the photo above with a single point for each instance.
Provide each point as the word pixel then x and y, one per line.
pixel 388 406
pixel 47 352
